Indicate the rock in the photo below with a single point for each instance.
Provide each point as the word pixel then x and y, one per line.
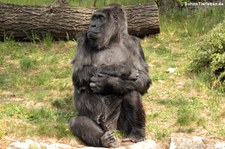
pixel 184 141
pixel 187 143
pixel 29 144
pixel 171 70
pixel 177 141
pixel 59 146
pixel 220 145
pixel 147 144
pixel 18 145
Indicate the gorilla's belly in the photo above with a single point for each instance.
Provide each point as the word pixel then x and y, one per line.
pixel 112 111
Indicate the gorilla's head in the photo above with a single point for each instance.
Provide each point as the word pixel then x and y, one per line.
pixel 107 25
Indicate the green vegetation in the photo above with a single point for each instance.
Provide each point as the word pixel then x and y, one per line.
pixel 210 57
pixel 84 3
pixel 182 101
pixel 36 87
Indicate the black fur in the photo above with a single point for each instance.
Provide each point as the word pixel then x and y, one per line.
pixel 109 76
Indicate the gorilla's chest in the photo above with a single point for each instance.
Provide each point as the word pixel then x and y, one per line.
pixel 110 56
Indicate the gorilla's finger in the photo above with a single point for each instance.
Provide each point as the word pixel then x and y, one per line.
pixel 102 74
pixel 92 84
pixel 94 79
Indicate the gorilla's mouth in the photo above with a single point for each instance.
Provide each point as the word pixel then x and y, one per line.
pixel 93 32
pixel 92 35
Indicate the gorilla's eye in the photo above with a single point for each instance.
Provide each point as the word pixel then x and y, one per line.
pixel 94 18
pixel 102 18
pixel 98 17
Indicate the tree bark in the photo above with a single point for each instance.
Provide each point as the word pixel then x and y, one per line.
pixel 63 22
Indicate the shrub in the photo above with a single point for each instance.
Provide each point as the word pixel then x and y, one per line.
pixel 210 56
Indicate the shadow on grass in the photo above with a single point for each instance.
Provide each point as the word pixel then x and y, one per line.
pixel 64 104
pixel 170 102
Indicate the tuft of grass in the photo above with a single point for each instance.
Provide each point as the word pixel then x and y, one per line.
pixel 26 63
pixel 48 40
pixel 162 134
pixel 189 113
pixel 186 115
pixel 34 37
pixel 162 51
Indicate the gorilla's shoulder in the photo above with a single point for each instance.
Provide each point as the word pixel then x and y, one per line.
pixel 132 39
pixel 131 42
pixel 82 38
pixel 136 39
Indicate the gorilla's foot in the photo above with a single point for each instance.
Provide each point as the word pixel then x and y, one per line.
pixel 108 140
pixel 136 135
pixel 134 138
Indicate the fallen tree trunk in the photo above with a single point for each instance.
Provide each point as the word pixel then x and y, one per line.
pixel 27 22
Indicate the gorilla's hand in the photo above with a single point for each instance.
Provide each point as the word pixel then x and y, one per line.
pixel 98 83
pixel 134 75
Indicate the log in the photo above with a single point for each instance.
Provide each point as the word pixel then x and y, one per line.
pixel 64 22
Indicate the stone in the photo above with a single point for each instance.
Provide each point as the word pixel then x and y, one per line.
pixel 147 144
pixel 29 144
pixel 171 70
pixel 185 141
pixel 220 145
pixel 182 141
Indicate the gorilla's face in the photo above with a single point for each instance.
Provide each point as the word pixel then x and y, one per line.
pixel 97 26
pixel 101 30
pixel 105 26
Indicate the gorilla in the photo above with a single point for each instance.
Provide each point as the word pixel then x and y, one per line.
pixel 109 76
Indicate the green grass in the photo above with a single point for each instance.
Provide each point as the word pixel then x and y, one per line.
pixel 44 121
pixel 35 99
pixel 83 3
pixel 36 87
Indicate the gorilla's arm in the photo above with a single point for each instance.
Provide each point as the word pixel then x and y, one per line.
pixel 123 86
pixel 119 70
pixel 82 67
pixel 113 84
pixel 82 76
pixel 109 84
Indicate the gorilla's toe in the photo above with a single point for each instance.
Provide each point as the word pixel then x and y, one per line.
pixel 108 140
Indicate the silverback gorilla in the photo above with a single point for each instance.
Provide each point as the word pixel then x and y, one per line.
pixel 109 76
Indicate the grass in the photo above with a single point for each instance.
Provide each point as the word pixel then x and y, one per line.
pixel 180 101
pixel 30 87
pixel 83 3
pixel 36 87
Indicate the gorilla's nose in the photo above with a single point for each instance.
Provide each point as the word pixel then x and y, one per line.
pixel 93 25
